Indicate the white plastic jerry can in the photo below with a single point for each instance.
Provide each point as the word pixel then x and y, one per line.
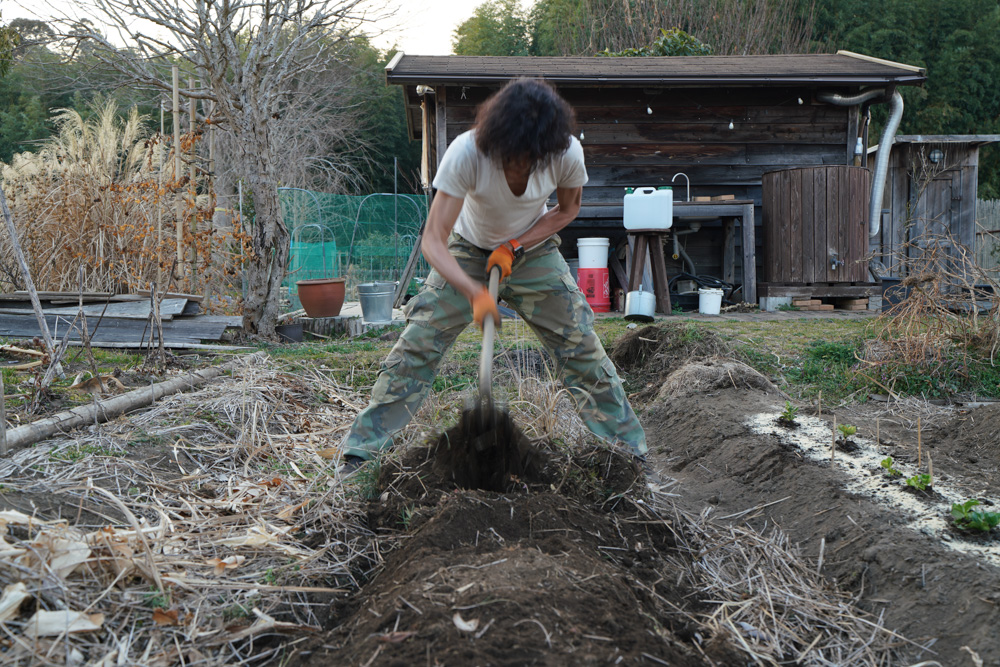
pixel 649 208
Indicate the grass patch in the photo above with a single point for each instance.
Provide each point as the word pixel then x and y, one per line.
pixel 79 452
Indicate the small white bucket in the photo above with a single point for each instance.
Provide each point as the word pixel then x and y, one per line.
pixel 640 306
pixel 593 253
pixel 709 301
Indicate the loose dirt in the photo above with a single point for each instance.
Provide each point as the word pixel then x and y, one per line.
pixel 562 565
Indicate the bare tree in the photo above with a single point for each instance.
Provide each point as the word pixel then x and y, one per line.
pixel 248 54
pixel 731 27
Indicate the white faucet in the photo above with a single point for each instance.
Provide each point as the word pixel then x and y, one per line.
pixel 681 173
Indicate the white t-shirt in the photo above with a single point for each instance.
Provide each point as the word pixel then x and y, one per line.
pixel 492 214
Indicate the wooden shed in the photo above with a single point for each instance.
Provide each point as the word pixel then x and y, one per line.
pixel 930 197
pixel 723 121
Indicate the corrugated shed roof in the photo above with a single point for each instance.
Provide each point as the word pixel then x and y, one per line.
pixel 829 69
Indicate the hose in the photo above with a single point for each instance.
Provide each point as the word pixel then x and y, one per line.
pixel 884 146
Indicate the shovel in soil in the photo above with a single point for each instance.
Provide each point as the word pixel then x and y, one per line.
pixel 486 448
pixel 488 427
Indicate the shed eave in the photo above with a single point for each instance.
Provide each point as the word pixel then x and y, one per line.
pixel 435 79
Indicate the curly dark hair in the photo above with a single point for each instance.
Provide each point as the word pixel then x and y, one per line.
pixel 525 118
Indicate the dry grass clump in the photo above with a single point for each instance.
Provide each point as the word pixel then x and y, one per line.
pixel 700 377
pixel 947 320
pixel 194 532
pixel 101 194
pixel 767 600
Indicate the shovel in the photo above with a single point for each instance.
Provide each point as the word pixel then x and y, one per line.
pixel 486 407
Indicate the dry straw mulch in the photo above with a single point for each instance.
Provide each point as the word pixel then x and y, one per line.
pixel 211 529
pixel 189 533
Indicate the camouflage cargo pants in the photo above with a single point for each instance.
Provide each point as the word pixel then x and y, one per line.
pixel 542 291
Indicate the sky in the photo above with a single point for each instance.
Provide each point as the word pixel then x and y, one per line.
pixel 420 27
pixel 426 26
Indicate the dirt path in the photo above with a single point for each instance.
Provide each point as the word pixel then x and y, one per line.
pixel 893 550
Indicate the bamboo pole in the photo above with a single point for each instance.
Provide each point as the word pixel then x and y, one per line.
pixel 178 167
pixel 833 442
pixel 110 408
pixel 159 201
pixel 192 189
pixel 29 284
pixel 3 419
pixel 12 349
pixel 920 456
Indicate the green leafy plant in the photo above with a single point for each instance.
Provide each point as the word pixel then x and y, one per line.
pixel 677 310
pixel 966 518
pixel 846 431
pixel 672 42
pixel 155 598
pixel 889 469
pixel 920 481
pixel 787 416
pixel 786 307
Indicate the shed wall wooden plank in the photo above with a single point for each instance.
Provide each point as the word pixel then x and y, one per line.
pixel 808 210
pixel 820 217
pixel 795 250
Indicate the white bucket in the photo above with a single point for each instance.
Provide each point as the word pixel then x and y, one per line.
pixel 709 301
pixel 640 306
pixel 593 253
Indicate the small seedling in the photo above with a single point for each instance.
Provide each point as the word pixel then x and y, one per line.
pixel 846 430
pixel 889 469
pixel 406 516
pixel 787 417
pixel 920 481
pixel 967 519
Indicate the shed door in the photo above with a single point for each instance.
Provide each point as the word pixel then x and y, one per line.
pixel 935 221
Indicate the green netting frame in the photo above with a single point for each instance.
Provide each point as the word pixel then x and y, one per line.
pixel 363 238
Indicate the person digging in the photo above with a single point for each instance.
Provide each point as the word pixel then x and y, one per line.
pixel 490 210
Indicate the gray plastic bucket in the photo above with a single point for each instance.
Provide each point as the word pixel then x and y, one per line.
pixel 376 301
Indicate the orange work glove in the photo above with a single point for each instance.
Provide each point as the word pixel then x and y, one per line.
pixel 483 306
pixel 504 257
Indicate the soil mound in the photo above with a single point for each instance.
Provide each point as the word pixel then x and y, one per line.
pixel 711 375
pixel 919 584
pixel 649 354
pixel 564 566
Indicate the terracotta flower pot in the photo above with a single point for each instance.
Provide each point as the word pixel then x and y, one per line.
pixel 321 297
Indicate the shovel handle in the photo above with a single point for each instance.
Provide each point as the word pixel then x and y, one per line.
pixel 486 353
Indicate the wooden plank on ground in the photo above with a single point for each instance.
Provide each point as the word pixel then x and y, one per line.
pixel 135 310
pixel 117 330
pixel 808 291
pixel 197 298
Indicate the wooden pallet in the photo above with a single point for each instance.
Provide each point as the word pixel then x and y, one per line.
pixel 818 290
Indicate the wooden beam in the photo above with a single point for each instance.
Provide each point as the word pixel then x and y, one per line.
pixel 728 250
pixel 880 61
pixel 440 124
pixel 749 255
